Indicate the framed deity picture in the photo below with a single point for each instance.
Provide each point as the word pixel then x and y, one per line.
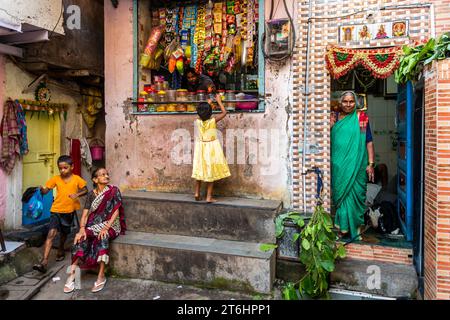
pixel 362 101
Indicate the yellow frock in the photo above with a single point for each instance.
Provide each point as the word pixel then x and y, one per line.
pixel 209 162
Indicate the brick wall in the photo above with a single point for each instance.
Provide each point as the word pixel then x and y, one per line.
pixel 437 122
pixel 379 253
pixel 437 181
pixel 323 33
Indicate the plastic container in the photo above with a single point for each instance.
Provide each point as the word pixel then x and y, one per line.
pixel 152 97
pixel 161 96
pixel 181 107
pixel 142 98
pixel 171 95
pixel 201 95
pixel 230 95
pixel 97 149
pixel 171 107
pixel 161 108
pixel 246 105
pixel 192 97
pixel 182 95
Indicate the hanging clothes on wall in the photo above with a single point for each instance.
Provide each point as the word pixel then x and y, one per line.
pixel 86 153
pixel 13 133
pixel 75 154
pixel 22 128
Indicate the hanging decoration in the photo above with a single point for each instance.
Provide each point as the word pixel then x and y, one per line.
pixel 44 107
pixel 381 62
pixel 91 106
pixel 42 93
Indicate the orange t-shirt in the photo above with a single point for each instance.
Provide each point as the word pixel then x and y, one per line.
pixel 63 203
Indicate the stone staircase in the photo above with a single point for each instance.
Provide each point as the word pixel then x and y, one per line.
pixel 173 238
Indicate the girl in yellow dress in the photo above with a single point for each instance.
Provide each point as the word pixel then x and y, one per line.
pixel 209 161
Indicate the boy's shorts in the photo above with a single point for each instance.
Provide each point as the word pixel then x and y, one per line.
pixel 62 221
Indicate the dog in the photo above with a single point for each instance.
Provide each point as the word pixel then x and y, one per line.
pixel 383 218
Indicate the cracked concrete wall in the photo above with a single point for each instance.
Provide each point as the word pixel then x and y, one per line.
pixel 43 13
pixel 138 148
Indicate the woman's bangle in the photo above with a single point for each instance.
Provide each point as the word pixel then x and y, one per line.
pixel 372 164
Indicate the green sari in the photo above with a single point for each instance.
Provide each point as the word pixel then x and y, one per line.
pixel 348 173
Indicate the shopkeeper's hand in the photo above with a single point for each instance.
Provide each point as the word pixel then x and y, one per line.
pixel 370 173
pixel 210 102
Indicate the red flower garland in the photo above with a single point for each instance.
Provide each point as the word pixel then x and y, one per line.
pixel 381 62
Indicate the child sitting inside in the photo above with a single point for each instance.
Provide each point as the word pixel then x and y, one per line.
pixel 69 188
pixel 209 163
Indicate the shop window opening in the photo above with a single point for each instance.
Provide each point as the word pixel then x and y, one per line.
pixel 190 51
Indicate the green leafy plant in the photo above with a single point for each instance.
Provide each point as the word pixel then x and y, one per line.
pixel 319 251
pixel 416 57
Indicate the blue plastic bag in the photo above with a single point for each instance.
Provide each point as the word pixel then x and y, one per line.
pixel 35 206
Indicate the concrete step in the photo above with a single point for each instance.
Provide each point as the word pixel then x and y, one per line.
pixel 224 264
pixel 228 219
pixel 371 277
pixel 374 277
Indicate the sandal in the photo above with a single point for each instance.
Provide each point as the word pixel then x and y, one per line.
pixel 98 286
pixel 69 286
pixel 40 267
pixel 60 257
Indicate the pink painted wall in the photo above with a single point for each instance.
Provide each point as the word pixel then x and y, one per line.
pixel 138 148
pixel 3 178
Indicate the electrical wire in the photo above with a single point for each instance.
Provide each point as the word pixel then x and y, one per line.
pixel 292 31
pixel 54 28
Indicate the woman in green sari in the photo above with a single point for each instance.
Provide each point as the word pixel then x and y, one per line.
pixel 352 162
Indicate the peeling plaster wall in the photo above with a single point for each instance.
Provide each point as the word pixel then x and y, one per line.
pixel 42 13
pixel 138 148
pixel 3 177
pixel 15 81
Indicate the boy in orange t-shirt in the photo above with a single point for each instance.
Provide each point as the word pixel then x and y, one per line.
pixel 69 188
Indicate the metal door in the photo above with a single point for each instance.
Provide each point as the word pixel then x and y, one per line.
pixel 405 159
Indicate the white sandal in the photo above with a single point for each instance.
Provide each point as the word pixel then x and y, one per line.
pixel 98 286
pixel 69 286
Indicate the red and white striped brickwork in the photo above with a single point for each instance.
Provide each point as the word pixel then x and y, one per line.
pixel 437 107
pixel 437 181
pixel 323 33
pixel 379 253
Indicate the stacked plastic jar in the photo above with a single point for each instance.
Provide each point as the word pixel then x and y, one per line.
pixel 161 98
pixel 201 95
pixel 182 96
pixel 230 95
pixel 192 97
pixel 151 97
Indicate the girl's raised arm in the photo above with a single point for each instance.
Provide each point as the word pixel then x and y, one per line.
pixel 221 115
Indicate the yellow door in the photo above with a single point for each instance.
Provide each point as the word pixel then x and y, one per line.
pixel 39 164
